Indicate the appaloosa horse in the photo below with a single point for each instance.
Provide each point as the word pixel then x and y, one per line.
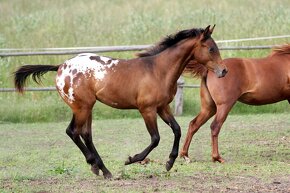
pixel 250 81
pixel 147 83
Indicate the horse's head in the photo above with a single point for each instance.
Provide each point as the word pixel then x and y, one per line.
pixel 207 53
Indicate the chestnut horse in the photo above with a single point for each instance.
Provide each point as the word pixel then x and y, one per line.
pixel 147 83
pixel 250 81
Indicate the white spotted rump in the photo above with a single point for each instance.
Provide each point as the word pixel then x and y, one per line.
pixel 87 64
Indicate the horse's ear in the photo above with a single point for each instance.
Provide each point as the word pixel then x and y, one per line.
pixel 207 30
pixel 211 30
pixel 206 33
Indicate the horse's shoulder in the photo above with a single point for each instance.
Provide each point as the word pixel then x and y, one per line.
pixel 236 62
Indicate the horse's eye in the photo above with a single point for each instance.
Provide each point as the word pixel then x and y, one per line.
pixel 211 50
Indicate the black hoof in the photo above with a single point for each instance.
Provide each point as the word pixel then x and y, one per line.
pixel 168 165
pixel 108 175
pixel 128 161
pixel 95 169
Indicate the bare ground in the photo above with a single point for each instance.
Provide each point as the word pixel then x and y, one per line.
pixel 150 183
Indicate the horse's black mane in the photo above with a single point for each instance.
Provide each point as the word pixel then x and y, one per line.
pixel 171 40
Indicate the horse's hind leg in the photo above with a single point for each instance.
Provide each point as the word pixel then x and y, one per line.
pixel 74 135
pixel 87 136
pixel 150 118
pixel 79 126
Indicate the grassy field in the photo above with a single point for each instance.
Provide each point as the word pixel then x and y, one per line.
pixel 63 23
pixel 39 157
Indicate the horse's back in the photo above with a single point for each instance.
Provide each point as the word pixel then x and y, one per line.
pixel 269 78
pixel 252 81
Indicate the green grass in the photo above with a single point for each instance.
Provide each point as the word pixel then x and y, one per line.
pixel 40 157
pixel 69 23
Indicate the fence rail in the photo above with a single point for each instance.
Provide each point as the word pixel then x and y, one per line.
pixel 28 89
pixel 113 49
pixel 69 51
pixel 58 51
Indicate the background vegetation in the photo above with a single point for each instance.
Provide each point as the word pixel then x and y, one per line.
pixel 69 23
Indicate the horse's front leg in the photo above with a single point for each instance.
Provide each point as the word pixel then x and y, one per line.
pixel 150 118
pixel 168 118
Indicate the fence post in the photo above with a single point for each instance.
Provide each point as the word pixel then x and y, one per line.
pixel 179 97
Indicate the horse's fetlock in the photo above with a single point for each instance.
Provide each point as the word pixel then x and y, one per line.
pixel 90 159
pixel 173 155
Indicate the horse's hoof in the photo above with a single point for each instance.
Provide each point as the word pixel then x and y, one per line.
pixel 145 161
pixel 221 161
pixel 128 161
pixel 108 175
pixel 95 169
pixel 168 165
pixel 186 159
pixel 218 159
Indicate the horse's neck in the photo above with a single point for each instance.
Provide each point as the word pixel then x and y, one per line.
pixel 171 63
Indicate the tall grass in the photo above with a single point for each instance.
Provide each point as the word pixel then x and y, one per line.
pixel 68 23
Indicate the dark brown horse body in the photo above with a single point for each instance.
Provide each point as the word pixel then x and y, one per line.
pixel 147 83
pixel 250 81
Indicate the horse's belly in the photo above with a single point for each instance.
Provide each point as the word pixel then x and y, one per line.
pixel 261 98
pixel 116 98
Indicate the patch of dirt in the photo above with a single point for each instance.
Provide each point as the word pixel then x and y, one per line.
pixel 150 183
pixel 205 183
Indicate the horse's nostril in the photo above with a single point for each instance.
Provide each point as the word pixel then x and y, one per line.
pixel 224 72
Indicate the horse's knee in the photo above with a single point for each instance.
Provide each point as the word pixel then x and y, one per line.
pixel 72 134
pixel 177 131
pixel 215 128
pixel 69 132
pixel 192 122
pixel 215 131
pixel 155 140
pixel 87 137
pixel 70 128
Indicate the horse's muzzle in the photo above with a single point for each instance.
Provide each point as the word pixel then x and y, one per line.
pixel 221 72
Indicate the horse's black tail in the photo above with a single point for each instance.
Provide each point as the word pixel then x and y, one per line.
pixel 36 71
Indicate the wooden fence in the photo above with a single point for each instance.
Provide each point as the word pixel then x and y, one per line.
pixel 68 51
pixel 178 105
pixel 63 51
